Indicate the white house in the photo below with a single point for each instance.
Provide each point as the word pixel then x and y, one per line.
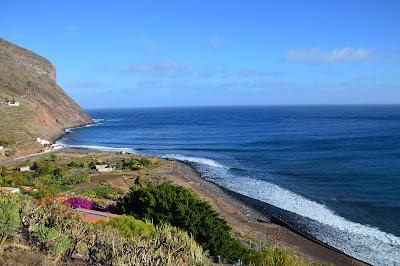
pixel 43 141
pixel 24 168
pixel 13 104
pixel 10 189
pixel 1 148
pixel 104 168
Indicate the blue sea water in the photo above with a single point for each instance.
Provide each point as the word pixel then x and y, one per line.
pixel 337 166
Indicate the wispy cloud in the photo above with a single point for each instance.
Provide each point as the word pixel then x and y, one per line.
pixel 83 84
pixel 254 73
pixel 314 55
pixel 165 68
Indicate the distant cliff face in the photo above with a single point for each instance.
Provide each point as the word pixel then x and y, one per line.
pixel 44 109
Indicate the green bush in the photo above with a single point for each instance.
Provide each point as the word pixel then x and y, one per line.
pixel 168 246
pixel 75 179
pixel 131 227
pixel 73 164
pixel 9 217
pixel 167 203
pixel 52 239
pixel 43 167
pixel 145 162
pixel 273 256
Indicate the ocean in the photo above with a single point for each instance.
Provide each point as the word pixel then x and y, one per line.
pixel 335 167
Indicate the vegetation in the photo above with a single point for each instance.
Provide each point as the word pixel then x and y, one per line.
pixel 101 191
pixel 78 202
pixel 7 143
pixel 48 178
pixel 167 203
pixel 58 233
pixel 9 218
pixel 136 164
pixel 128 226
pixel 55 232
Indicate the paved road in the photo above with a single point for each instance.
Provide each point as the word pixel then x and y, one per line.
pixel 29 157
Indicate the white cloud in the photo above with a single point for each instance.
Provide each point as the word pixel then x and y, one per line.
pixel 335 56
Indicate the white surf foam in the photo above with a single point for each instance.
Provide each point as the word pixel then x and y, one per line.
pixel 100 148
pixel 198 160
pixel 98 120
pixel 361 241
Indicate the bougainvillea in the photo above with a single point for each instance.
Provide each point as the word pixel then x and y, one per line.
pixel 78 202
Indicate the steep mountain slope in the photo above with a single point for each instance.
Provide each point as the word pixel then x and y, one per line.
pixel 44 109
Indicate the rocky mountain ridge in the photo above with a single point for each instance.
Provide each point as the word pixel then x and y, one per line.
pixel 32 105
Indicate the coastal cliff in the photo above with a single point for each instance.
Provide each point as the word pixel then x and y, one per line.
pixel 32 105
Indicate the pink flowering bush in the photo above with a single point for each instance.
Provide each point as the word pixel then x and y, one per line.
pixel 79 202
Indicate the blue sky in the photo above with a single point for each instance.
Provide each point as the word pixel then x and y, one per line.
pixel 192 53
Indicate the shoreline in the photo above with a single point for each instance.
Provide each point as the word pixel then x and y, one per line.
pixel 241 212
pixel 255 214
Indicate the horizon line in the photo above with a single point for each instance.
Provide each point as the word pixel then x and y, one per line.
pixel 246 105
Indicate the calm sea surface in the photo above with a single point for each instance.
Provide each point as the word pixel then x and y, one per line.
pixel 338 166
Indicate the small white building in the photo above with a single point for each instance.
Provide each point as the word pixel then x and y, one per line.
pixel 104 168
pixel 24 168
pixel 10 189
pixel 1 148
pixel 43 141
pixel 13 103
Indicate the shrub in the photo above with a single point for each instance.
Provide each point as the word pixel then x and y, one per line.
pixel 273 256
pixel 9 217
pixel 10 152
pixel 52 239
pixel 168 246
pixel 84 164
pixel 145 162
pixel 43 167
pixel 131 164
pixel 79 202
pixel 73 164
pixel 131 227
pixel 106 192
pixel 167 203
pixel 75 179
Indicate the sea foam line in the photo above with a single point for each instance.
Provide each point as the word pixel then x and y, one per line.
pixel 100 148
pixel 198 160
pixel 361 241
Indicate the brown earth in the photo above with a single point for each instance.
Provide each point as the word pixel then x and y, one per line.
pixel 45 110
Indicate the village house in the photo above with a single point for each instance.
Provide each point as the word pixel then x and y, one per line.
pixel 24 168
pixel 10 189
pixel 43 141
pixel 104 168
pixel 13 103
pixel 2 151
